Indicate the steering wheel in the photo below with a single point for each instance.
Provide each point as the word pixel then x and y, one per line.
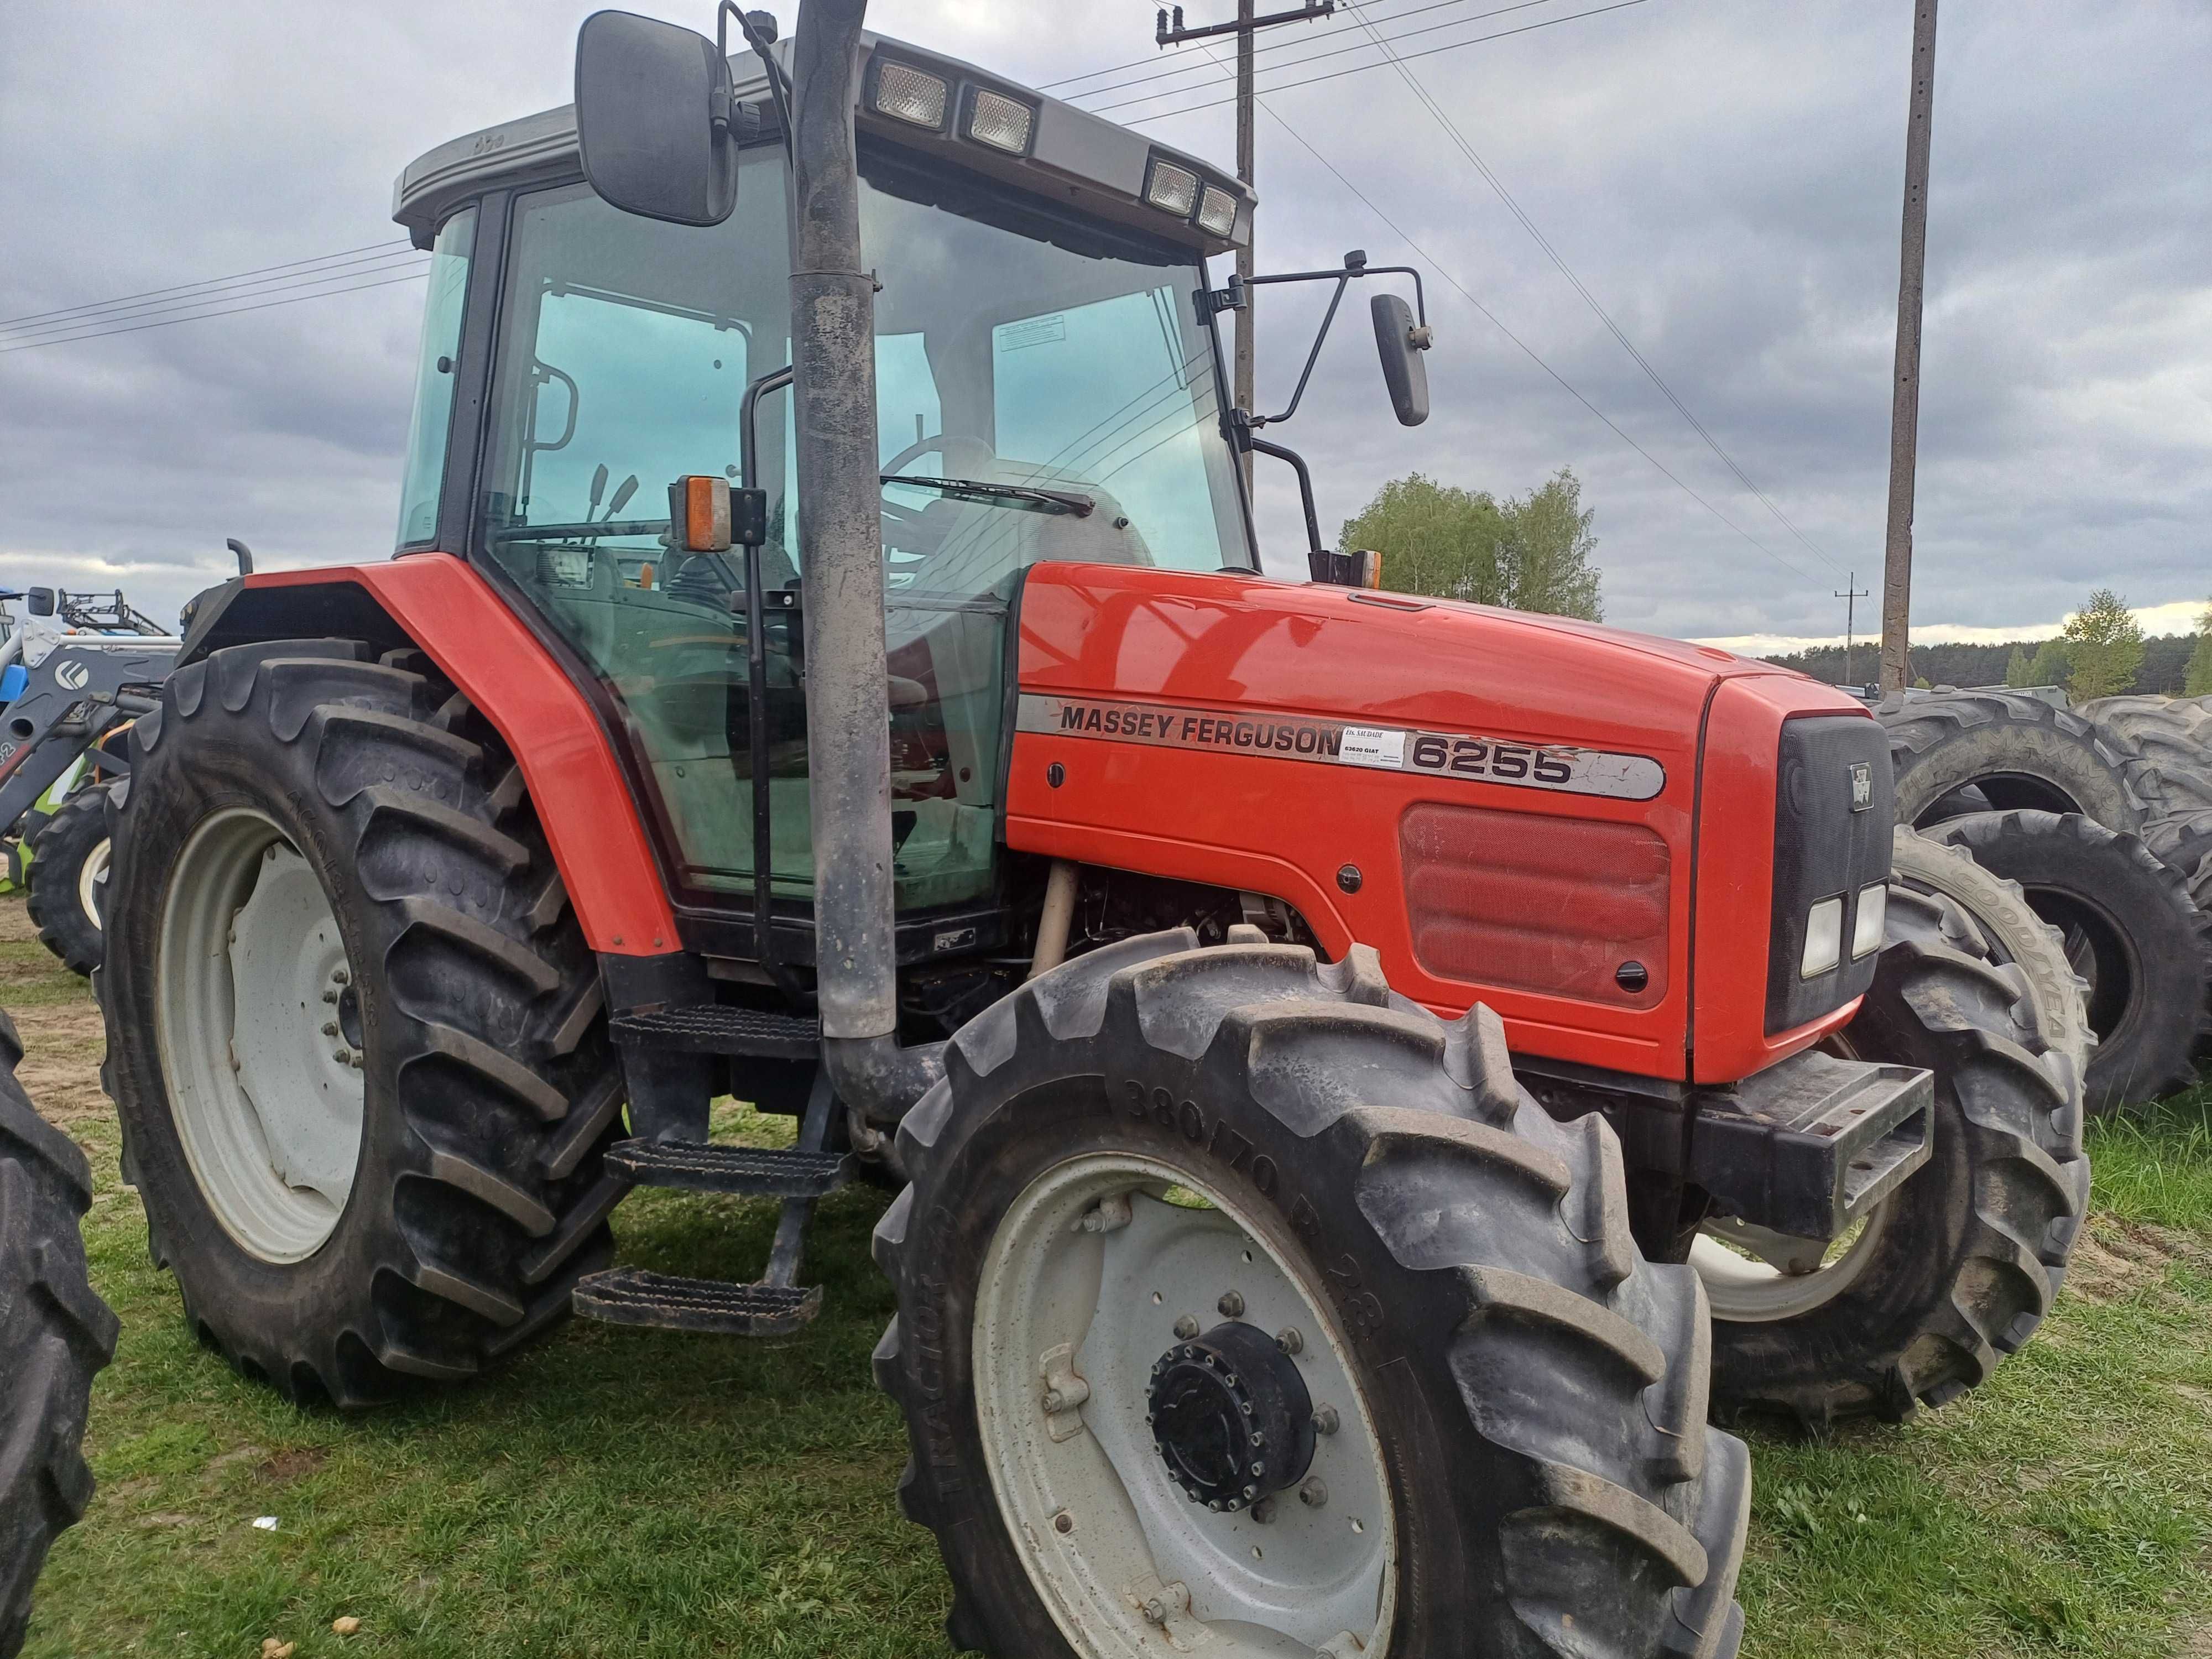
pixel 964 457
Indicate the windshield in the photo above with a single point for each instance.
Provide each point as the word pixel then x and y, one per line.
pixel 1061 363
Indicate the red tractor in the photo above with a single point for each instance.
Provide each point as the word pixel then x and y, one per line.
pixel 1332 1046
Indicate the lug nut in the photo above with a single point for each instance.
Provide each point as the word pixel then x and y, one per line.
pixel 1156 1611
pixel 1312 1492
pixel 1063 1523
pixel 1325 1419
pixel 1232 1305
pixel 1264 1510
pixel 329 1027
pixel 329 996
pixel 339 976
pixel 1185 1328
pixel 1289 1340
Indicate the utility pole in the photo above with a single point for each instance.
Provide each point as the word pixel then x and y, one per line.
pixel 1850 596
pixel 1245 26
pixel 1904 409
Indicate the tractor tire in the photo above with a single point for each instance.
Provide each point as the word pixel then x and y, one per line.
pixel 1958 1267
pixel 401 1180
pixel 2014 751
pixel 54 1334
pixel 2173 735
pixel 2130 928
pixel 1512 1456
pixel 68 880
pixel 2016 938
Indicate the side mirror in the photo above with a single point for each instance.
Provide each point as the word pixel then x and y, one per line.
pixel 652 119
pixel 1401 344
pixel 38 601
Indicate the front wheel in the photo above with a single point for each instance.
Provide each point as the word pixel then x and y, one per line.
pixel 1242 1309
pixel 66 885
pixel 1957 1267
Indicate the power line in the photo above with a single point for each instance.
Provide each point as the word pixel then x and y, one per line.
pixel 177 287
pixel 139 328
pixel 1139 63
pixel 1359 69
pixel 1452 130
pixel 374 266
pixel 1212 62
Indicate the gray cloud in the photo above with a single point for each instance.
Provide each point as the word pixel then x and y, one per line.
pixel 1725 178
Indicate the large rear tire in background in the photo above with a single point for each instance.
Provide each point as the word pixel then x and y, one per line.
pixel 67 881
pixel 2130 930
pixel 1238 1300
pixel 1962 751
pixel 355 1032
pixel 54 1334
pixel 1957 1267
pixel 2173 735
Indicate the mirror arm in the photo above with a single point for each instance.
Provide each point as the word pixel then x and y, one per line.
pixel 778 83
pixel 1355 264
pixel 1315 552
pixel 757 692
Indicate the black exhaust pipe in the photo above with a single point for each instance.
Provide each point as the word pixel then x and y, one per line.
pixel 839 501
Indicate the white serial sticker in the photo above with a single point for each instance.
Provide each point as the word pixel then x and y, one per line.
pixel 1373 745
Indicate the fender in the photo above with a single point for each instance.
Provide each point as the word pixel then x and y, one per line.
pixel 449 611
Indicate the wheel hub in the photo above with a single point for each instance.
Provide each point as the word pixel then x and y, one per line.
pixel 1230 1416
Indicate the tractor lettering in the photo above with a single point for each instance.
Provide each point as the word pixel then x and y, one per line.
pixel 1191 1121
pixel 1510 760
pixel 1468 755
pixel 1553 769
pixel 1305 1220
pixel 1429 752
pixel 1263 1175
pixel 1136 1093
pixel 1071 717
pixel 1164 1112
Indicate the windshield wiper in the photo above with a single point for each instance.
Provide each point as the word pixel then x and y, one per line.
pixel 1017 496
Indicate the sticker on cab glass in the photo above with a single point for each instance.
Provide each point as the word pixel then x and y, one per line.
pixel 1565 768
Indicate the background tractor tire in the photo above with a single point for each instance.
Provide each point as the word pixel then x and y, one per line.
pixel 1534 1390
pixel 2173 735
pixel 54 1334
pixel 2130 928
pixel 2016 938
pixel 1958 1267
pixel 486 1088
pixel 68 880
pixel 2014 749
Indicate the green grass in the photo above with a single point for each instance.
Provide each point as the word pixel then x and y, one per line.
pixel 625 1492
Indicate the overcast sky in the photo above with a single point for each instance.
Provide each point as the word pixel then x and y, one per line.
pixel 1725 176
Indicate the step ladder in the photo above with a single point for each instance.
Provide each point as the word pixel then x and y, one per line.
pixel 777 1304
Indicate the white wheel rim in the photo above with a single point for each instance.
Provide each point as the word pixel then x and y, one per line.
pixel 250 970
pixel 1308 1578
pixel 1752 1275
pixel 91 881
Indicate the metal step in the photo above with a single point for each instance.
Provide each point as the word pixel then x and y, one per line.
pixel 713 1027
pixel 631 1296
pixel 756 1171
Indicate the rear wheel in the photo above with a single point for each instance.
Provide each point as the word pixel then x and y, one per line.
pixel 1958 1267
pixel 54 1333
pixel 67 882
pixel 357 1047
pixel 2130 929
pixel 1240 1307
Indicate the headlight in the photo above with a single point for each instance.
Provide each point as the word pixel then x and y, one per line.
pixel 1217 211
pixel 1874 912
pixel 1172 189
pixel 1001 122
pixel 1824 938
pixel 905 93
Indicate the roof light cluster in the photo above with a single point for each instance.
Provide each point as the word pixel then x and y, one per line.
pixel 921 97
pixel 1173 188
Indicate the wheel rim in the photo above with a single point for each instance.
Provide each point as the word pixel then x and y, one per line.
pixel 1118 1550
pixel 258 1029
pixel 91 882
pixel 1754 1274
pixel 2102 953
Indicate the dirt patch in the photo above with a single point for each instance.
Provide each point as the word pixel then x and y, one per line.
pixel 63 1045
pixel 15 920
pixel 291 1465
pixel 2113 1258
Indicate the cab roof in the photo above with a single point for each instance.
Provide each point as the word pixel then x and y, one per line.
pixel 1073 156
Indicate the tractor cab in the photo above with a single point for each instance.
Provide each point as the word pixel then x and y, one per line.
pixel 1049 388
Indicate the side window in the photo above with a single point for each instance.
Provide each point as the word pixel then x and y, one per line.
pixel 420 490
